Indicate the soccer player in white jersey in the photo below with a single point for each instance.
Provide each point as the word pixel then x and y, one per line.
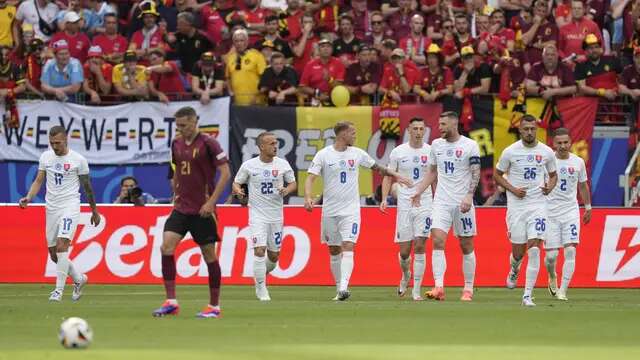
pixel 526 162
pixel 455 163
pixel 266 175
pixel 64 170
pixel 339 164
pixel 564 215
pixel 412 224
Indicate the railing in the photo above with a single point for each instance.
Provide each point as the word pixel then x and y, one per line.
pixel 632 185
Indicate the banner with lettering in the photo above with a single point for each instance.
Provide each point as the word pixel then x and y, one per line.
pixel 132 133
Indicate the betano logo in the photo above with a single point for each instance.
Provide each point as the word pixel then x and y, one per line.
pixel 619 259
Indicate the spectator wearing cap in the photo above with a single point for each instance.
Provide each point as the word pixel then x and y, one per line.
pixel 471 77
pixel 98 75
pixel 33 64
pixel 272 36
pixel 213 21
pixel 113 44
pixel 630 80
pixel 598 75
pixel 378 31
pixel 415 44
pixel 540 32
pixel 62 76
pixel 166 15
pixel 362 78
pixel 129 79
pixel 164 76
pixel 150 37
pixel 550 78
pixel 266 49
pixel 321 75
pixel 188 43
pixel 9 31
pixel 27 13
pixel 345 47
pixel 437 79
pixel 279 81
pixel 400 20
pixel 79 42
pixel 86 16
pixel 398 79
pixel 572 35
pixel 387 48
pixel 253 16
pixel 207 81
pixel 462 37
pixel 243 68
pixel 305 48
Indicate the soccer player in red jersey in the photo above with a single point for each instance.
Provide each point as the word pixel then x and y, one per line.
pixel 195 160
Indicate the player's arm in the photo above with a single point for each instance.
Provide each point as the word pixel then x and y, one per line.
pixel 386 188
pixel 474 168
pixel 553 180
pixel 34 189
pixel 585 194
pixel 236 188
pixel 385 171
pixel 289 189
pixel 308 189
pixel 91 199
pixel 429 179
pixel 498 177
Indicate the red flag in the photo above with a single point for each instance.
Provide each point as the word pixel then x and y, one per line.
pixel 466 117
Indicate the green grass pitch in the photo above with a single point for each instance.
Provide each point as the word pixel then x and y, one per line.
pixel 302 323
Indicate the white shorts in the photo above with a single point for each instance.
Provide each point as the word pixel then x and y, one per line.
pixel 562 231
pixel 444 216
pixel 412 223
pixel 526 224
pixel 62 223
pixel 336 229
pixel 267 234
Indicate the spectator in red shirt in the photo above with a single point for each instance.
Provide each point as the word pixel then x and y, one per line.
pixel 361 18
pixel 550 78
pixel 572 35
pixel 213 21
pixel 32 68
pixel 436 79
pixel 253 16
pixel 451 48
pixel 400 21
pixel 305 47
pixel 164 76
pixel 291 29
pixel 321 75
pixel 78 42
pixel 483 25
pixel 436 20
pixel 629 10
pixel 363 77
pixel 207 81
pixel 149 38
pixel 378 32
pixel 630 80
pixel 398 79
pixel 97 75
pixel 540 32
pixel 327 15
pixel 507 36
pixel 113 45
pixel 415 44
pixel 345 47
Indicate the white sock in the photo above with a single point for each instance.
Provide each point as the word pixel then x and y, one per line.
pixel 533 267
pixel 270 265
pixel 469 270
pixel 515 264
pixel 418 270
pixel 259 269
pixel 62 269
pixel 550 260
pixel 439 263
pixel 404 263
pixel 568 267
pixel 346 268
pixel 335 269
pixel 76 276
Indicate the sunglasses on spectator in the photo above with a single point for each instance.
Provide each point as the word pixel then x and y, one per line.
pixel 376 22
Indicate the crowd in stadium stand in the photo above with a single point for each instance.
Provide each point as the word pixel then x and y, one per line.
pixel 295 52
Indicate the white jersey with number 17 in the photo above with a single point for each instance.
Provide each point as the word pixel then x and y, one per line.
pixel 454 160
pixel 340 172
pixel 63 182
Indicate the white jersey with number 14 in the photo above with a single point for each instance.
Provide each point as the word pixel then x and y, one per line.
pixel 453 160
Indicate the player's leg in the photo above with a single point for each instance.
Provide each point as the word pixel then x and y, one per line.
pixel 464 226
pixel 403 239
pixel 516 227
pixel 570 239
pixel 274 244
pixel 349 227
pixel 421 230
pixel 205 234
pixel 330 236
pixel 66 223
pixel 174 230
pixel 536 234
pixel 442 221
pixel 551 247
pixel 260 232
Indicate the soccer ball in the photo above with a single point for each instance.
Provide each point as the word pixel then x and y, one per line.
pixel 75 333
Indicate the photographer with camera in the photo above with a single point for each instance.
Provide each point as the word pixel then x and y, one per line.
pixel 130 193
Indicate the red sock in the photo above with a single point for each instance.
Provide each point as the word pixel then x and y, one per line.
pixel 214 282
pixel 169 275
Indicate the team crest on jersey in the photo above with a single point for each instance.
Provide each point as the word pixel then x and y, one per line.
pixel 266 173
pixel 67 167
pixel 449 152
pixel 416 159
pixel 539 158
pixel 563 170
pixel 459 153
pixel 571 170
pixel 58 166
pixel 351 162
pixel 343 164
pixel 274 173
pixel 424 159
pixel 530 158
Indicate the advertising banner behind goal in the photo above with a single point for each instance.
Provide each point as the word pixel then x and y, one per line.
pixel 125 249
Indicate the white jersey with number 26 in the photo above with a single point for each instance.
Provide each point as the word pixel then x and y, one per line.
pixel 63 182
pixel 339 171
pixel 454 160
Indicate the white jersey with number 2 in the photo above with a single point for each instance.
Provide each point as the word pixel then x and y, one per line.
pixel 454 160
pixel 63 182
pixel 339 171
pixel 563 199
